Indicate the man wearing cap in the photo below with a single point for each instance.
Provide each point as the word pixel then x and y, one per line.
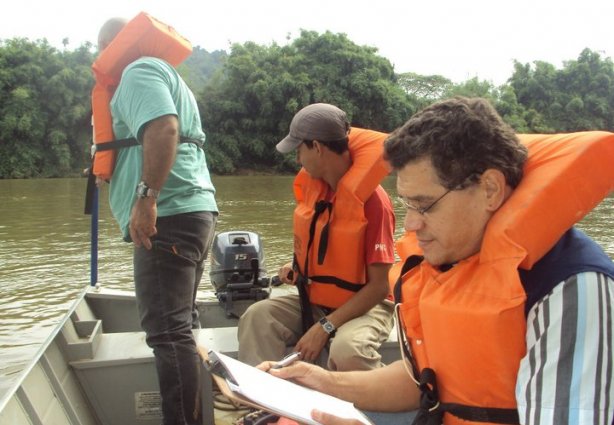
pixel 343 250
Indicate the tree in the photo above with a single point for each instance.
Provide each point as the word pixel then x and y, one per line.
pixel 200 66
pixel 578 97
pixel 44 108
pixel 503 98
pixel 247 107
pixel 426 88
pixel 248 97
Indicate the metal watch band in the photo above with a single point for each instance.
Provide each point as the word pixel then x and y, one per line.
pixel 144 191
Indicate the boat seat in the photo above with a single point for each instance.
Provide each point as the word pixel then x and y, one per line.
pixel 130 347
pixel 120 377
pixel 121 382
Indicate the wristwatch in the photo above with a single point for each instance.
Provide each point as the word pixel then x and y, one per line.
pixel 144 191
pixel 328 327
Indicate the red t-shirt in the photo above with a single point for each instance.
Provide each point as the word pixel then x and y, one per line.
pixel 379 236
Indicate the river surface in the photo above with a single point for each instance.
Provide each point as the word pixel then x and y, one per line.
pixel 45 248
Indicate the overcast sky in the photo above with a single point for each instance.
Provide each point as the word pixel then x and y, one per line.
pixel 458 39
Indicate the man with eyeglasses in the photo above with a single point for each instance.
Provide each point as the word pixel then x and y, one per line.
pixel 343 250
pixel 505 310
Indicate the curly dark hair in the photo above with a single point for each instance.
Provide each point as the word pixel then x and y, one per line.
pixel 463 138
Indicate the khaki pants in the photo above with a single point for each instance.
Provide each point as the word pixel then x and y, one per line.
pixel 270 328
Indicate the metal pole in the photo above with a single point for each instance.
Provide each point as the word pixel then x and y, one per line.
pixel 94 240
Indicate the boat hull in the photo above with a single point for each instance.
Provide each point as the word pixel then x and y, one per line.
pixel 96 369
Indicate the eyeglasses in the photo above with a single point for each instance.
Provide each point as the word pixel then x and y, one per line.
pixel 421 210
pixel 470 180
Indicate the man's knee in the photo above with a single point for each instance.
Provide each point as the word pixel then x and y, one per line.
pixel 167 340
pixel 255 317
pixel 255 312
pixel 352 355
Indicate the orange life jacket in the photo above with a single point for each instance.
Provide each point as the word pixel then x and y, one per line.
pixel 142 36
pixel 333 258
pixel 472 316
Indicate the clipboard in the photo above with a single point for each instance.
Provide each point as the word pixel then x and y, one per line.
pixel 249 386
pixel 221 376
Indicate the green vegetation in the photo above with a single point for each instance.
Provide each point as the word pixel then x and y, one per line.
pixel 44 109
pixel 248 105
pixel 248 96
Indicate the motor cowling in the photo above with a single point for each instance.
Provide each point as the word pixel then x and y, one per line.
pixel 237 270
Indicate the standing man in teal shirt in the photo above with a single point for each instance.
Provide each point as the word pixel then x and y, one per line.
pixel 163 199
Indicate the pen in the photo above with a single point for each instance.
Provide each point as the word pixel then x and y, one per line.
pixel 287 361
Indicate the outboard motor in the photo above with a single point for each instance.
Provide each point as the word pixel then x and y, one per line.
pixel 237 269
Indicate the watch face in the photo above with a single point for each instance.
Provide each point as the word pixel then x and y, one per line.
pixel 141 190
pixel 328 326
pixel 144 191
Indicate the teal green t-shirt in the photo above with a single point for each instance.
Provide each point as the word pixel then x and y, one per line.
pixel 151 88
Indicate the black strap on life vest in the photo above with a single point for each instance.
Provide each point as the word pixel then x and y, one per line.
pixel 306 312
pixel 118 144
pixel 131 141
pixel 411 262
pixel 340 283
pixel 302 279
pixel 431 410
pixel 323 246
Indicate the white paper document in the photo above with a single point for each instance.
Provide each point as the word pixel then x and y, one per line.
pixel 284 397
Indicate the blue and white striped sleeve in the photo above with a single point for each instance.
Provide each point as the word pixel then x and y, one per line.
pixel 566 376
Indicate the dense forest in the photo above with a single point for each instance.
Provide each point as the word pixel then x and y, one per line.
pixel 247 97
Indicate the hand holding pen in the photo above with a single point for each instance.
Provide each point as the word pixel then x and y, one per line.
pixel 299 372
pixel 287 361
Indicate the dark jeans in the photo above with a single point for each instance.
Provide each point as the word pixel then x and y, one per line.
pixel 166 278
